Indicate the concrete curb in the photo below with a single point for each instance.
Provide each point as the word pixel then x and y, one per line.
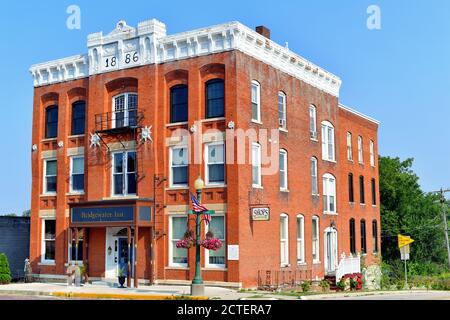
pixel 364 294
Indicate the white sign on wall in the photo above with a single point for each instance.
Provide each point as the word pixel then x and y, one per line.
pixel 233 253
pixel 260 214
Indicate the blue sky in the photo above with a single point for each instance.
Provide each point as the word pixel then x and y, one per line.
pixel 400 74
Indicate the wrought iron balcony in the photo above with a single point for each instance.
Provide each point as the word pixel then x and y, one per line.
pixel 118 122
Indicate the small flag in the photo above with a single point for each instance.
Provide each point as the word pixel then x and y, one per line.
pixel 198 207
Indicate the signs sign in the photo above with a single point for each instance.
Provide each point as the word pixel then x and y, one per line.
pixel 233 253
pixel 404 241
pixel 260 214
pixel 107 214
pixel 404 251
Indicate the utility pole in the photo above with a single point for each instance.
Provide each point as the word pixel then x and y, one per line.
pixel 442 193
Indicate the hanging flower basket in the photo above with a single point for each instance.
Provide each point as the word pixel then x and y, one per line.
pixel 212 244
pixel 188 241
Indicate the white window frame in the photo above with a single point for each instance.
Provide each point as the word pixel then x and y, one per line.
pixel 173 241
pixel 257 85
pixel 349 147
pixel 257 157
pixel 49 176
pixel 124 173
pixel 327 145
pixel 329 190
pixel 284 242
pixel 282 122
pixel 285 172
pixel 313 120
pixel 171 166
pixel 315 240
pixel 44 241
pixel 360 150
pixel 69 248
pixel 301 240
pixel 314 176
pixel 213 265
pixel 126 120
pixel 372 153
pixel 71 174
pixel 206 158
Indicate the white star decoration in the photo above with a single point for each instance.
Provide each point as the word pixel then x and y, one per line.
pixel 95 140
pixel 146 134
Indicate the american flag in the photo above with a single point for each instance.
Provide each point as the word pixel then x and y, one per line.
pixel 198 207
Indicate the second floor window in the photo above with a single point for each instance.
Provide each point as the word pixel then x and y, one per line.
pixel 282 110
pixel 360 150
pixel 351 196
pixel 124 173
pixel 313 122
pixel 374 192
pixel 329 194
pixel 51 170
pixel 77 174
pixel 51 122
pixel 349 147
pixel 215 98
pixel 372 153
pixel 314 181
pixel 256 165
pixel 283 170
pixel 328 141
pixel 361 190
pixel 179 104
pixel 256 101
pixel 215 164
pixel 78 118
pixel 179 167
pixel 125 110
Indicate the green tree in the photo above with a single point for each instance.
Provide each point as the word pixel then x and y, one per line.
pixel 5 272
pixel 406 209
pixel 26 213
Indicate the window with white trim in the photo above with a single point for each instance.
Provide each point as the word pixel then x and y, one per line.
pixel 256 101
pixel 372 153
pixel 360 150
pixel 177 229
pixel 300 239
pixel 283 170
pixel 178 166
pixel 349 147
pixel 51 173
pixel 125 110
pixel 216 259
pixel 215 163
pixel 77 174
pixel 124 174
pixel 48 240
pixel 328 149
pixel 329 194
pixel 315 240
pixel 314 180
pixel 282 117
pixel 313 122
pixel 74 254
pixel 256 165
pixel 284 240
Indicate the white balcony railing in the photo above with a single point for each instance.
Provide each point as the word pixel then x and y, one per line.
pixel 348 265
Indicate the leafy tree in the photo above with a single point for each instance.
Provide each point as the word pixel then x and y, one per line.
pixel 5 272
pixel 26 213
pixel 407 210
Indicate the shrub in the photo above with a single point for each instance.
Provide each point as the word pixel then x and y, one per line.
pixel 306 286
pixel 325 285
pixel 5 272
pixel 341 285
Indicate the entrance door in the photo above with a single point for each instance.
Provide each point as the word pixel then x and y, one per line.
pixel 123 256
pixel 330 251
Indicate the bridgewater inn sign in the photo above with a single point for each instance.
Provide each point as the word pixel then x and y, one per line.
pixel 108 214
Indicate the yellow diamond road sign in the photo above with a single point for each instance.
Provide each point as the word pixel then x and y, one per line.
pixel 403 241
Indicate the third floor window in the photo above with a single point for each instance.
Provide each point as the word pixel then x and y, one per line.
pixel 179 104
pixel 51 122
pixel 78 117
pixel 215 98
pixel 125 110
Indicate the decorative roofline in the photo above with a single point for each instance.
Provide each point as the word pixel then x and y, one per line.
pixel 359 114
pixel 149 44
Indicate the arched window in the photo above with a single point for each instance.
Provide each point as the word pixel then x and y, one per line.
pixel 360 150
pixel 363 237
pixel 374 192
pixel 256 101
pixel 51 122
pixel 375 236
pixel 125 110
pixel 349 146
pixel 215 98
pixel 329 194
pixel 256 165
pixel 179 103
pixel 313 122
pixel 78 118
pixel 351 195
pixel 372 153
pixel 328 146
pixel 361 190
pixel 314 180
pixel 283 170
pixel 282 113
pixel 315 240
pixel 300 239
pixel 284 240
pixel 352 228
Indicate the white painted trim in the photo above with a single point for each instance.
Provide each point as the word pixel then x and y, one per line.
pixel 177 186
pixel 71 191
pixel 359 114
pixel 44 187
pixel 205 154
pixel 171 263
pixel 210 266
pixel 286 263
pixel 43 260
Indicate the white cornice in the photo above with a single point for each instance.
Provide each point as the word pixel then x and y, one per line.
pixel 359 114
pixel 152 46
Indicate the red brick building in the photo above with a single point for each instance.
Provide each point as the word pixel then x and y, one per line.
pixel 121 134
